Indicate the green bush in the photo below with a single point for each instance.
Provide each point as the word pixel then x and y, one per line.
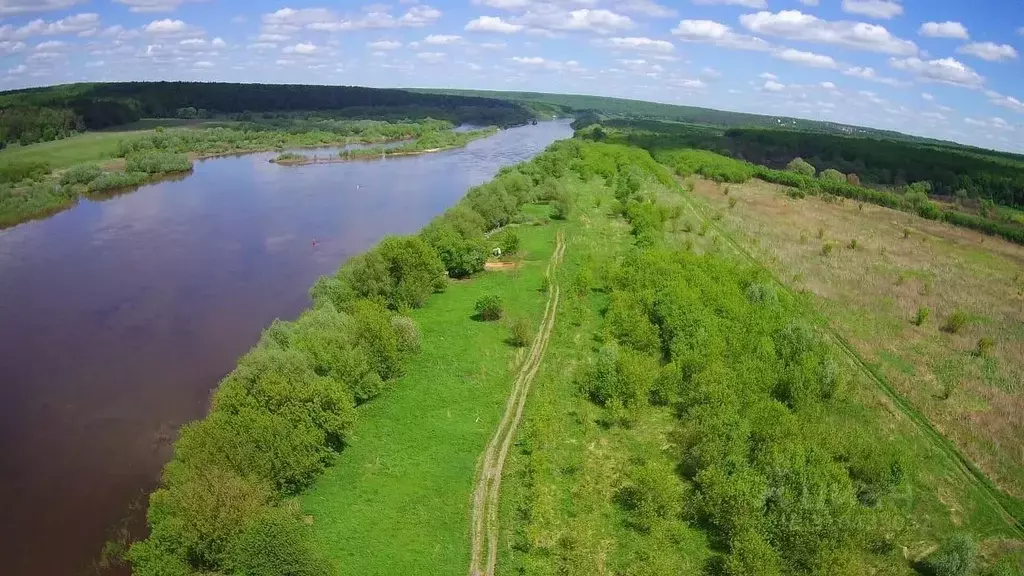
pixel 827 248
pixel 955 322
pixel 509 242
pixel 276 543
pixel 921 317
pixel 489 308
pixel 732 202
pixel 832 175
pixel 402 271
pixel 14 172
pixel 110 181
pixel 957 556
pixel 80 174
pixel 461 256
pixel 984 347
pixel 520 333
pixel 651 494
pixel 157 163
pixel 563 206
pixel 801 166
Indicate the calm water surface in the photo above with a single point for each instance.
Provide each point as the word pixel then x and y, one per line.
pixel 118 317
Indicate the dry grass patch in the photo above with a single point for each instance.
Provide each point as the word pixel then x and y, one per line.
pixel 872 295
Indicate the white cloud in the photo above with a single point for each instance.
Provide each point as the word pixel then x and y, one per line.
pixel 1008 102
pixel 83 24
pixel 492 24
pixel 711 32
pixel 934 116
pixel 711 73
pixel 943 30
pixel 384 45
pixel 50 45
pixel 8 47
pixel 546 64
pixel 291 20
pixel 806 58
pixel 493 45
pixel 420 16
pixel 645 8
pixel 746 3
pixel 203 64
pixel 827 85
pixel 795 25
pixel 171 28
pixel 598 20
pixel 809 2
pixel 871 97
pixel 883 9
pixel 19 69
pixel 262 46
pixel 639 44
pixel 927 96
pixel 431 57
pixel 271 38
pixel 95 64
pixel 218 42
pixel 773 86
pixel 441 39
pixel 989 51
pixel 944 70
pixel 767 76
pixel 154 5
pixel 869 74
pixel 26 6
pixel 302 48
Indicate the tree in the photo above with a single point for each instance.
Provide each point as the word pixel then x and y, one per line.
pixel 956 557
pixel 833 175
pixel 800 166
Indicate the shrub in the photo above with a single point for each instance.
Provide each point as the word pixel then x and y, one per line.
pixel 460 256
pixel 509 242
pixel 832 175
pixel 955 322
pixel 402 271
pixel 489 308
pixel 80 174
pixel 157 163
pixel 853 244
pixel 109 181
pixel 25 170
pixel 955 557
pixel 651 493
pixel 984 347
pixel 921 317
pixel 821 233
pixel 732 202
pixel 827 248
pixel 801 166
pixel 906 233
pixel 563 205
pixel 520 333
pixel 276 543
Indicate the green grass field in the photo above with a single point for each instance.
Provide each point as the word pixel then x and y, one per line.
pixel 398 502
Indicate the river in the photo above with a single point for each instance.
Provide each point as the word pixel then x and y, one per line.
pixel 118 317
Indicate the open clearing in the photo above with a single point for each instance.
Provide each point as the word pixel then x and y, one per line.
pixel 873 290
pixel 412 458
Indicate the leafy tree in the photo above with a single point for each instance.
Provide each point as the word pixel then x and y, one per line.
pixel 957 556
pixel 800 166
pixel 833 175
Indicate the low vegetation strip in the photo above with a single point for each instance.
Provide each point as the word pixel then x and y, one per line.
pixel 286 413
pixel 487 485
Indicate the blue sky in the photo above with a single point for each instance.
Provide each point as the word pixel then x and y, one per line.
pixel 944 68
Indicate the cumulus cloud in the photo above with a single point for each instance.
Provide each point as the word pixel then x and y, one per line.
pixel 302 48
pixel 50 45
pixel 546 64
pixel 767 76
pixel 645 8
pixel 154 5
pixel 795 25
pixel 773 86
pixel 599 20
pixel 827 85
pixel 203 64
pixel 989 51
pixel 83 24
pixel 869 74
pixel 746 3
pixel 954 30
pixel 171 28
pixel 1008 102
pixel 809 2
pixel 493 24
pixel 8 47
pixel 944 70
pixel 440 39
pixel 26 6
pixel 711 32
pixel 927 96
pixel 882 9
pixel 806 58
pixel 638 44
pixel 384 45
pixel 291 20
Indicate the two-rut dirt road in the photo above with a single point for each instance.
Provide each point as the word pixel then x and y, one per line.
pixel 484 521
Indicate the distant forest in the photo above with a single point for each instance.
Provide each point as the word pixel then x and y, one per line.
pixel 42 114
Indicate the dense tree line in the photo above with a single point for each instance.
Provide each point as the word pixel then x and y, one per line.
pixel 40 114
pixel 286 411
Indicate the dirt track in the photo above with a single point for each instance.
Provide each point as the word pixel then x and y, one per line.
pixel 484 519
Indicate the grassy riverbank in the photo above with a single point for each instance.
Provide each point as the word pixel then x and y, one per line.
pixel 34 179
pixel 427 143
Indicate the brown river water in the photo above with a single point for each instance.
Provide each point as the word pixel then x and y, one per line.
pixel 118 317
